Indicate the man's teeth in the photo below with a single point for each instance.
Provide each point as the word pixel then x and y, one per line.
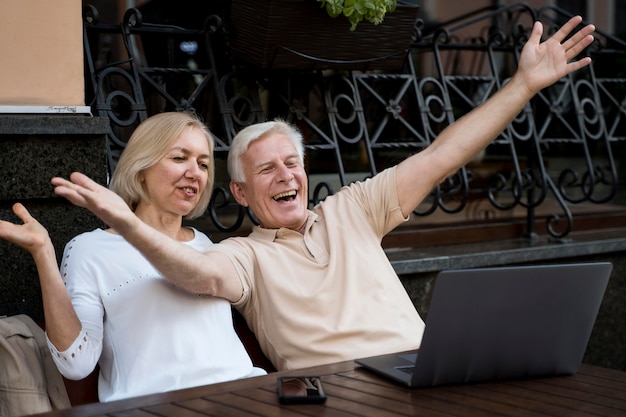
pixel 286 194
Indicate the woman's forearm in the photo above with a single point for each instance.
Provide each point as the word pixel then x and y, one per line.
pixel 62 323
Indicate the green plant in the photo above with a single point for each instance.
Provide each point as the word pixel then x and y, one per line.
pixel 357 10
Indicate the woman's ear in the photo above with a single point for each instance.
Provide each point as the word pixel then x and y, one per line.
pixel 237 192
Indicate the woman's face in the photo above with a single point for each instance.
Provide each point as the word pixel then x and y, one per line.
pixel 174 184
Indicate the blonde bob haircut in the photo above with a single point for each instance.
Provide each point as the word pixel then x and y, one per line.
pixel 249 134
pixel 148 144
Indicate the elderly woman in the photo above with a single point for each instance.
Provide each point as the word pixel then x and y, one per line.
pixel 109 306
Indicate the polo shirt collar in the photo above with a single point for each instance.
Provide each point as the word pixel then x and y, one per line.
pixel 272 234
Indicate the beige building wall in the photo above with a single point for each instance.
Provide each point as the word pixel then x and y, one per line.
pixel 41 50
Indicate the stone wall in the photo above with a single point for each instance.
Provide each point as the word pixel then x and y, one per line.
pixel 33 149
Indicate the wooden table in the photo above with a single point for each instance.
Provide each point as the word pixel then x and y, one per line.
pixel 353 391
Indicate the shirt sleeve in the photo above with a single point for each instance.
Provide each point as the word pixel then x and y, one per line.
pixel 243 261
pixel 80 359
pixel 378 198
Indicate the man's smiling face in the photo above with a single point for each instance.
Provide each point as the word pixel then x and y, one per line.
pixel 276 187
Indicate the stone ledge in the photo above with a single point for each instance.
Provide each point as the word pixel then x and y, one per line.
pixel 53 125
pixel 503 252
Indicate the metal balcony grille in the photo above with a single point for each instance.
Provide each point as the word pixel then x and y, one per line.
pixel 561 148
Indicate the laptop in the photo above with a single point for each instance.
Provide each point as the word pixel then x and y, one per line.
pixel 502 323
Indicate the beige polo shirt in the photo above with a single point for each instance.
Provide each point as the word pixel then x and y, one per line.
pixel 330 294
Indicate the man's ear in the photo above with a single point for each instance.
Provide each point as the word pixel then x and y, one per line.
pixel 237 192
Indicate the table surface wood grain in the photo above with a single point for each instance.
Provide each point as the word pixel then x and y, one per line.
pixel 354 391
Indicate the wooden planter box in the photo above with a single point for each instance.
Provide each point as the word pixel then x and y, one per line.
pixel 299 35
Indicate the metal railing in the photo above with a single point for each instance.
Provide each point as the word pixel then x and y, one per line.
pixel 358 123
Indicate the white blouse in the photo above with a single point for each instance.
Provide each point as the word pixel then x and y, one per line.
pixel 147 335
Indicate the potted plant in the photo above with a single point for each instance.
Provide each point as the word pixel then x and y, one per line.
pixel 302 35
pixel 357 10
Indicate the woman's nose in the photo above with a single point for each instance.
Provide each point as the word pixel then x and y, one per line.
pixel 193 170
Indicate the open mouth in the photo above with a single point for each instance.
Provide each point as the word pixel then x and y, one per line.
pixel 286 196
pixel 189 190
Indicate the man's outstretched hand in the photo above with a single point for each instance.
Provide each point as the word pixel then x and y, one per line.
pixel 544 63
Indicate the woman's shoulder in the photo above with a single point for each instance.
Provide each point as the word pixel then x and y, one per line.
pixel 92 238
pixel 89 249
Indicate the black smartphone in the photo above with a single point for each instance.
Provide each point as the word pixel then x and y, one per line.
pixel 300 390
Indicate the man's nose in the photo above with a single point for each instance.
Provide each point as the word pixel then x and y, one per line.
pixel 285 173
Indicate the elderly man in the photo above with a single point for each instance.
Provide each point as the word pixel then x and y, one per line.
pixel 315 285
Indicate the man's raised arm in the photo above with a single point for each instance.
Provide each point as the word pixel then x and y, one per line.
pixel 541 64
pixel 211 274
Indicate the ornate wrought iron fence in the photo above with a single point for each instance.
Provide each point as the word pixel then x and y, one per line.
pixel 358 123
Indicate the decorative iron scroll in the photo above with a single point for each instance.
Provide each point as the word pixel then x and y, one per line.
pixel 359 123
